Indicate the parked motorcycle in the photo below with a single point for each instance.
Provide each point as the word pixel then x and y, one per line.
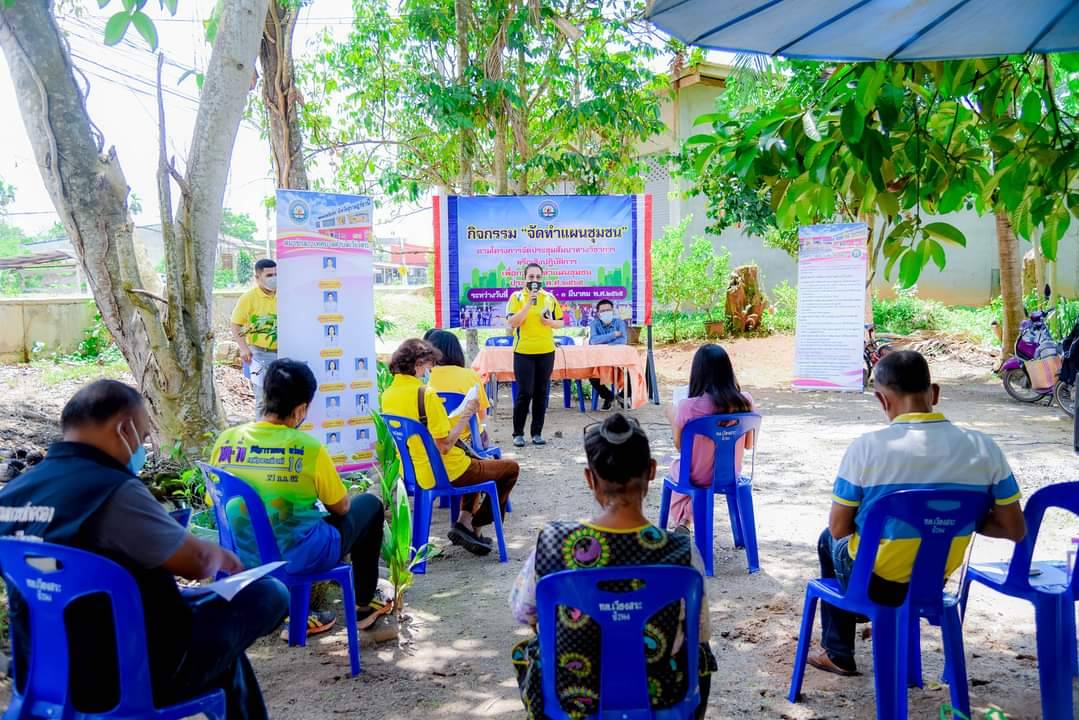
pixel 1034 337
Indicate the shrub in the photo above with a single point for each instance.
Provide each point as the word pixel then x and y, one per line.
pixel 245 267
pixel 780 315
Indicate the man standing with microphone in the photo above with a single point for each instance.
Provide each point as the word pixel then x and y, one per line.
pixel 533 313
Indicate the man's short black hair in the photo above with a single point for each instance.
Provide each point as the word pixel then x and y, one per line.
pixel 98 402
pixel 264 264
pixel 287 385
pixel 903 371
pixel 603 302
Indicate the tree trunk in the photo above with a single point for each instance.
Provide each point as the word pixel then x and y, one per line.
pixel 462 12
pixel 167 341
pixel 1011 281
pixel 281 97
pixel 519 124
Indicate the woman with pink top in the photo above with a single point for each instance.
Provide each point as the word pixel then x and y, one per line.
pixel 713 390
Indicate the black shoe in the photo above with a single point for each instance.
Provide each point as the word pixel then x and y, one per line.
pixel 607 403
pixel 460 535
pixel 518 440
pixel 538 440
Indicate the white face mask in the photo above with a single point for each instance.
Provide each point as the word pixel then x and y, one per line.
pixel 606 316
pixel 270 283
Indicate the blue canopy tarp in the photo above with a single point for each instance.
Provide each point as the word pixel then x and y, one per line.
pixel 873 29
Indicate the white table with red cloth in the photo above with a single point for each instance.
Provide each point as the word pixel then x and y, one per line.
pixel 607 363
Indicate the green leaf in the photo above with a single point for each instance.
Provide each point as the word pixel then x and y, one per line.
pixel 170 5
pixel 952 198
pixel 851 123
pixel 936 252
pixel 809 124
pixel 145 26
pixel 100 3
pixel 129 5
pixel 1032 108
pixel 1055 227
pixel 888 104
pixel 910 267
pixel 709 119
pixel 946 233
pixel 700 139
pixel 868 88
pixel 888 204
pixel 116 28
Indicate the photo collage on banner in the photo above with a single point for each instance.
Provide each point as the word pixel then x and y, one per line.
pixel 325 315
pixel 591 248
pixel 830 324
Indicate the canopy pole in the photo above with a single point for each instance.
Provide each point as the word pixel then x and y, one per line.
pixel 650 371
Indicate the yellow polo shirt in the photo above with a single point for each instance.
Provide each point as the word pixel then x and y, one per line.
pixel 401 398
pixel 533 337
pixel 258 303
pixel 454 379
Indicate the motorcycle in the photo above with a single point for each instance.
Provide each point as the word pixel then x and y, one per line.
pixel 1033 335
pixel 873 350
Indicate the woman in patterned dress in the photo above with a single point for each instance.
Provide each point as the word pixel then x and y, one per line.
pixel 620 467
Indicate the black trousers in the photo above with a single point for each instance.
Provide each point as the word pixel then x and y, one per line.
pixel 533 376
pixel 361 538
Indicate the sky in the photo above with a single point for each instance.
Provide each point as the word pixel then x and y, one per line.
pixel 122 104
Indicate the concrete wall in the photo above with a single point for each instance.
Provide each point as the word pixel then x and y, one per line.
pixel 56 322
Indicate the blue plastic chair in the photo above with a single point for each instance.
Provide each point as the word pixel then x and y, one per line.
pixel 224 487
pixel 79 573
pixel 402 428
pixel 567 385
pixel 1052 594
pixel 623 675
pixel 492 382
pixel 724 431
pixel 452 401
pixel 937 516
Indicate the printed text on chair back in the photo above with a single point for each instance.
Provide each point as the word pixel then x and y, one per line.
pixel 622 617
pixel 937 517
pixel 724 431
pixel 48 592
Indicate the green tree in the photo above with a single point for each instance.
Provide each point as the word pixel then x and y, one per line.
pixel 886 142
pixel 238 225
pixel 481 97
pixel 162 337
pixel 7 196
pixel 245 267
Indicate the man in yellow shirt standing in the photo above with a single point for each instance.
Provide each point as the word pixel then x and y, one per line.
pixel 254 326
pixel 533 313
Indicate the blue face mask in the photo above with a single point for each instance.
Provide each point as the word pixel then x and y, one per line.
pixel 427 377
pixel 138 456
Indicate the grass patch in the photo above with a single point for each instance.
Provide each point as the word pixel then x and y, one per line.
pixel 907 313
pixel 62 371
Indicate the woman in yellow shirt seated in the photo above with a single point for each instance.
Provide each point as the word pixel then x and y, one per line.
pixel 452 376
pixel 410 364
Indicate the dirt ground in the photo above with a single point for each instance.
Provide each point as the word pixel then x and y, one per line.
pixel 452 659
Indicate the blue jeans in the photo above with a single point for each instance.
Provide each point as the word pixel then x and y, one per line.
pixel 838 626
pixel 221 633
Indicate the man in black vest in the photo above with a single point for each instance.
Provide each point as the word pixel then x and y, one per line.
pixel 90 482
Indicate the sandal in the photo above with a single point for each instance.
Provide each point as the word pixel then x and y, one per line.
pixel 318 622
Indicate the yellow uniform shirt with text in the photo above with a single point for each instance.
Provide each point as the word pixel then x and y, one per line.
pixel 533 337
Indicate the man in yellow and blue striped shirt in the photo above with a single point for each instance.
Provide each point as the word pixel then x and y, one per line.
pixel 919 449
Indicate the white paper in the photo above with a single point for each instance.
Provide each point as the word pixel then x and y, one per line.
pixel 679 393
pixel 228 587
pixel 472 394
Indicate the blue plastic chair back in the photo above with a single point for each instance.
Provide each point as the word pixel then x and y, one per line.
pixel 224 487
pixel 27 566
pixel 937 516
pixel 452 401
pixel 563 340
pixel 403 428
pixel 499 341
pixel 621 617
pixel 725 431
pixel 1060 495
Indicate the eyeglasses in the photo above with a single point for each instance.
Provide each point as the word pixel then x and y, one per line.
pixel 613 437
